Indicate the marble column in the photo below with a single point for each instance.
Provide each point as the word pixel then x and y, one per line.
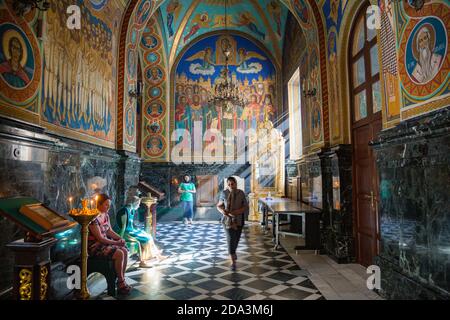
pixel 337 228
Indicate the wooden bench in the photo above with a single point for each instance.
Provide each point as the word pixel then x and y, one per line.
pixel 104 266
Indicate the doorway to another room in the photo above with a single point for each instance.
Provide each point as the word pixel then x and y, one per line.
pixel 366 122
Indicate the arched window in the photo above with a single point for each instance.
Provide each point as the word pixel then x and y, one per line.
pixel 364 69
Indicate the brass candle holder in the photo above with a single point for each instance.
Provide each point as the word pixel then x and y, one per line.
pixel 84 217
pixel 149 202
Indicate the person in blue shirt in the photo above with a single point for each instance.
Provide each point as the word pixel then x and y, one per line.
pixel 126 227
pixel 187 191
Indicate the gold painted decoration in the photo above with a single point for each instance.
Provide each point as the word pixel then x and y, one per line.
pixel 44 284
pixel 25 284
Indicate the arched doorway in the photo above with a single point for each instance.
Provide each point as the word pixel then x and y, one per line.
pixel 366 123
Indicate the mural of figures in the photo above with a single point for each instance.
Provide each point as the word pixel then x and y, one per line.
pixel 201 20
pixel 252 70
pixel 173 10
pixel 333 88
pixel 154 127
pixel 78 91
pixel 262 19
pixel 143 12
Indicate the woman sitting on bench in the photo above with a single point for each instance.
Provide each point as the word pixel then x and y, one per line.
pixel 104 242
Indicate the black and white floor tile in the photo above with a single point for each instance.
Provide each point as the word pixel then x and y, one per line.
pixel 198 268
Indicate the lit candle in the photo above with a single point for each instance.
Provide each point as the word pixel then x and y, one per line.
pixel 70 202
pixel 96 201
pixel 92 204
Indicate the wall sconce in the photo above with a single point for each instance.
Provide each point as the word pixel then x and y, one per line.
pixel 137 92
pixel 310 93
pixel 416 4
pixel 22 7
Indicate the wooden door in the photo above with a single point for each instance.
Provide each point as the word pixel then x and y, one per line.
pixel 366 124
pixel 207 190
pixel 365 197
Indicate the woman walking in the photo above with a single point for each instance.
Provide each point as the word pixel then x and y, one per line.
pixel 233 205
pixel 187 190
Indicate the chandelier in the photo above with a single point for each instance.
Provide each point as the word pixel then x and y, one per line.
pixel 226 91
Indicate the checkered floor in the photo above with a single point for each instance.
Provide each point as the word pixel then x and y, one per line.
pixel 198 268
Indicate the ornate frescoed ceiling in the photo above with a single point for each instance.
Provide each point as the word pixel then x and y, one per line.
pixel 184 21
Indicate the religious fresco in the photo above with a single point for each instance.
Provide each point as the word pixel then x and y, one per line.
pixel 389 64
pixel 295 43
pixel 79 81
pixel 171 12
pixel 98 4
pixel 314 103
pixel 20 64
pixel 423 59
pixel 200 68
pixel 154 109
pixel 312 109
pixel 263 20
pixel 302 11
pixel 16 57
pixel 304 105
pixel 333 85
pixel 137 22
pixel 333 11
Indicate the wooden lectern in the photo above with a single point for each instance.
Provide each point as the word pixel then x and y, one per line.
pixel 32 255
